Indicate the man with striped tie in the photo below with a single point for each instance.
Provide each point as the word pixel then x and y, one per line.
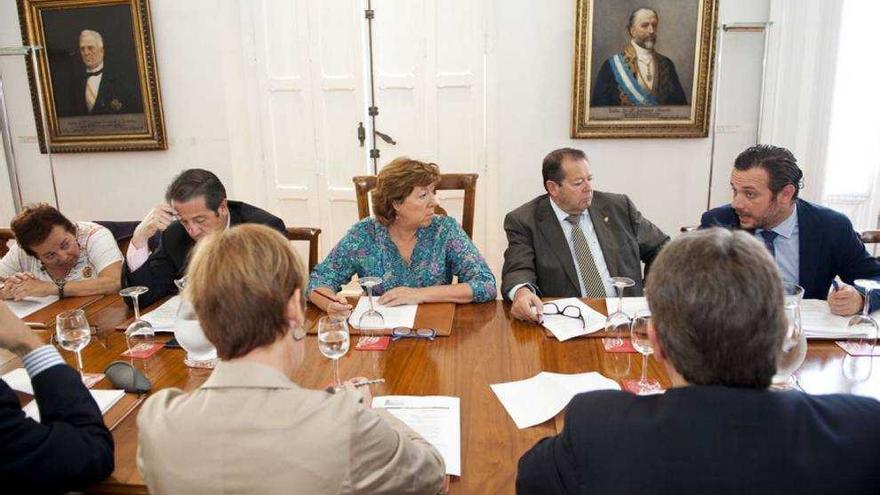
pixel 572 240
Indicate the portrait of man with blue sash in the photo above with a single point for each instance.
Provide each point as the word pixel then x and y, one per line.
pixel 638 76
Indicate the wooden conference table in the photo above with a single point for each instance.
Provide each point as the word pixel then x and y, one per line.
pixel 486 346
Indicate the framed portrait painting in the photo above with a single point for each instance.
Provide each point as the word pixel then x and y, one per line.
pixel 643 68
pixel 96 72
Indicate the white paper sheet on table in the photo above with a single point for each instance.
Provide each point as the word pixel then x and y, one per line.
pixel 818 322
pixel 395 316
pixel 436 418
pixel 564 328
pixel 534 400
pixel 631 305
pixel 18 379
pixel 162 318
pixel 30 305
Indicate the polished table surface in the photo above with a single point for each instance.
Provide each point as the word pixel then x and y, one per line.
pixel 486 347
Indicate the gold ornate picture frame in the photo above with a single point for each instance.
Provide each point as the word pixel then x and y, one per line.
pixel 643 68
pixel 97 74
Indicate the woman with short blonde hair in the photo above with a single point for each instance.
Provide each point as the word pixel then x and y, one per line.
pixel 254 429
pixel 415 252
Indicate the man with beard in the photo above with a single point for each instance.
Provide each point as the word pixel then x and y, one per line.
pixel 638 76
pixel 811 244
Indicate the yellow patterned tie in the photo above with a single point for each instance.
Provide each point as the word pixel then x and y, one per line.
pixel 586 264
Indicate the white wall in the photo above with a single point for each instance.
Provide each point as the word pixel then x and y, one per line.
pixel 200 72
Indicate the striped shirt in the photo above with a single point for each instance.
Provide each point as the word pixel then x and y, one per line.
pixel 41 359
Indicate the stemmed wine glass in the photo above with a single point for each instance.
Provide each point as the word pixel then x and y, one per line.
pixel 642 343
pixel 371 319
pixel 618 322
pixel 139 329
pixel 864 325
pixel 333 341
pixel 73 333
pixel 794 344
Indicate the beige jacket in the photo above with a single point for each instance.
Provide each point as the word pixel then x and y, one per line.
pixel 249 429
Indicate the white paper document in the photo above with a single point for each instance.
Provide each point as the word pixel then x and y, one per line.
pixel 534 400
pixel 162 318
pixel 630 306
pixel 564 328
pixel 818 322
pixel 18 379
pixel 436 418
pixel 395 316
pixel 30 305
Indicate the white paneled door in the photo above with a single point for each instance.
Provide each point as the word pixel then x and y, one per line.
pixel 312 64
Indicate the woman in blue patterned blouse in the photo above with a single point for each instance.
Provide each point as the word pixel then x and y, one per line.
pixel 413 251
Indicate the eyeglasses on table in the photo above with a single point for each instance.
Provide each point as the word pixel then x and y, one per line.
pixel 413 333
pixel 567 311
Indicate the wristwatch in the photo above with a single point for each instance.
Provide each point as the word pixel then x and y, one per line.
pixel 60 285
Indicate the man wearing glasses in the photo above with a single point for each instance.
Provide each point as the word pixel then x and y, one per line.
pixel 717 325
pixel 572 240
pixel 811 244
pixel 195 206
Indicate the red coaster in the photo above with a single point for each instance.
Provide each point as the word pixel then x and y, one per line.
pixel 856 349
pixel 625 346
pixel 142 350
pixel 90 379
pixel 373 343
pixel 633 386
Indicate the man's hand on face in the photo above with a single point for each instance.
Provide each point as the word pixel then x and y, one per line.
pixel 158 219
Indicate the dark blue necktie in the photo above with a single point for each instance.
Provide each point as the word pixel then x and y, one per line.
pixel 769 236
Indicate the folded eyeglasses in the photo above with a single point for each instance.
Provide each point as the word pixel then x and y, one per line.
pixel 413 333
pixel 568 311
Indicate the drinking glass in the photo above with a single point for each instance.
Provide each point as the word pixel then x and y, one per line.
pixel 642 343
pixel 333 342
pixel 73 333
pixel 617 323
pixel 794 344
pixel 140 331
pixel 371 320
pixel 200 352
pixel 864 325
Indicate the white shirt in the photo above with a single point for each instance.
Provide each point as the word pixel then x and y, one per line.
pixel 586 225
pixel 98 250
pixel 646 65
pixel 92 85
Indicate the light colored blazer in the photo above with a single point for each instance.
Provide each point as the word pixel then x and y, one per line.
pixel 249 429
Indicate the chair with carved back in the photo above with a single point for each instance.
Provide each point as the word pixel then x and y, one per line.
pixel 306 234
pixel 363 184
pixel 871 237
pixel 6 235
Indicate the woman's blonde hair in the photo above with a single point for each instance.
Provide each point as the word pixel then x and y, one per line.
pixel 396 181
pixel 240 281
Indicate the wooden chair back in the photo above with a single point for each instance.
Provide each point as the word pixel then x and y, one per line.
pixel 871 237
pixel 363 184
pixel 306 234
pixel 6 235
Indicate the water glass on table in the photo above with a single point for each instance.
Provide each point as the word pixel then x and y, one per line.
pixel 618 322
pixel 333 342
pixel 641 342
pixel 73 333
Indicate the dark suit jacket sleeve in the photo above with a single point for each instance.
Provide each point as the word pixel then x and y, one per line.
pixel 551 466
pixel 852 260
pixel 69 450
pixel 519 257
pixel 651 239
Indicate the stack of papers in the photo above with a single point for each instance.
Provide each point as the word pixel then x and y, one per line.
pixel 436 418
pixel 630 306
pixel 163 317
pixel 30 305
pixel 564 328
pixel 19 380
pixel 819 323
pixel 395 316
pixel 535 400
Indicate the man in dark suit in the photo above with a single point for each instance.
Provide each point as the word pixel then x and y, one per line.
pixel 717 326
pixel 810 243
pixel 100 89
pixel 196 205
pixel 572 240
pixel 70 448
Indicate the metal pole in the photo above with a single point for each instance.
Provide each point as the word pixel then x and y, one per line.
pixel 44 124
pixel 11 165
pixel 373 110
